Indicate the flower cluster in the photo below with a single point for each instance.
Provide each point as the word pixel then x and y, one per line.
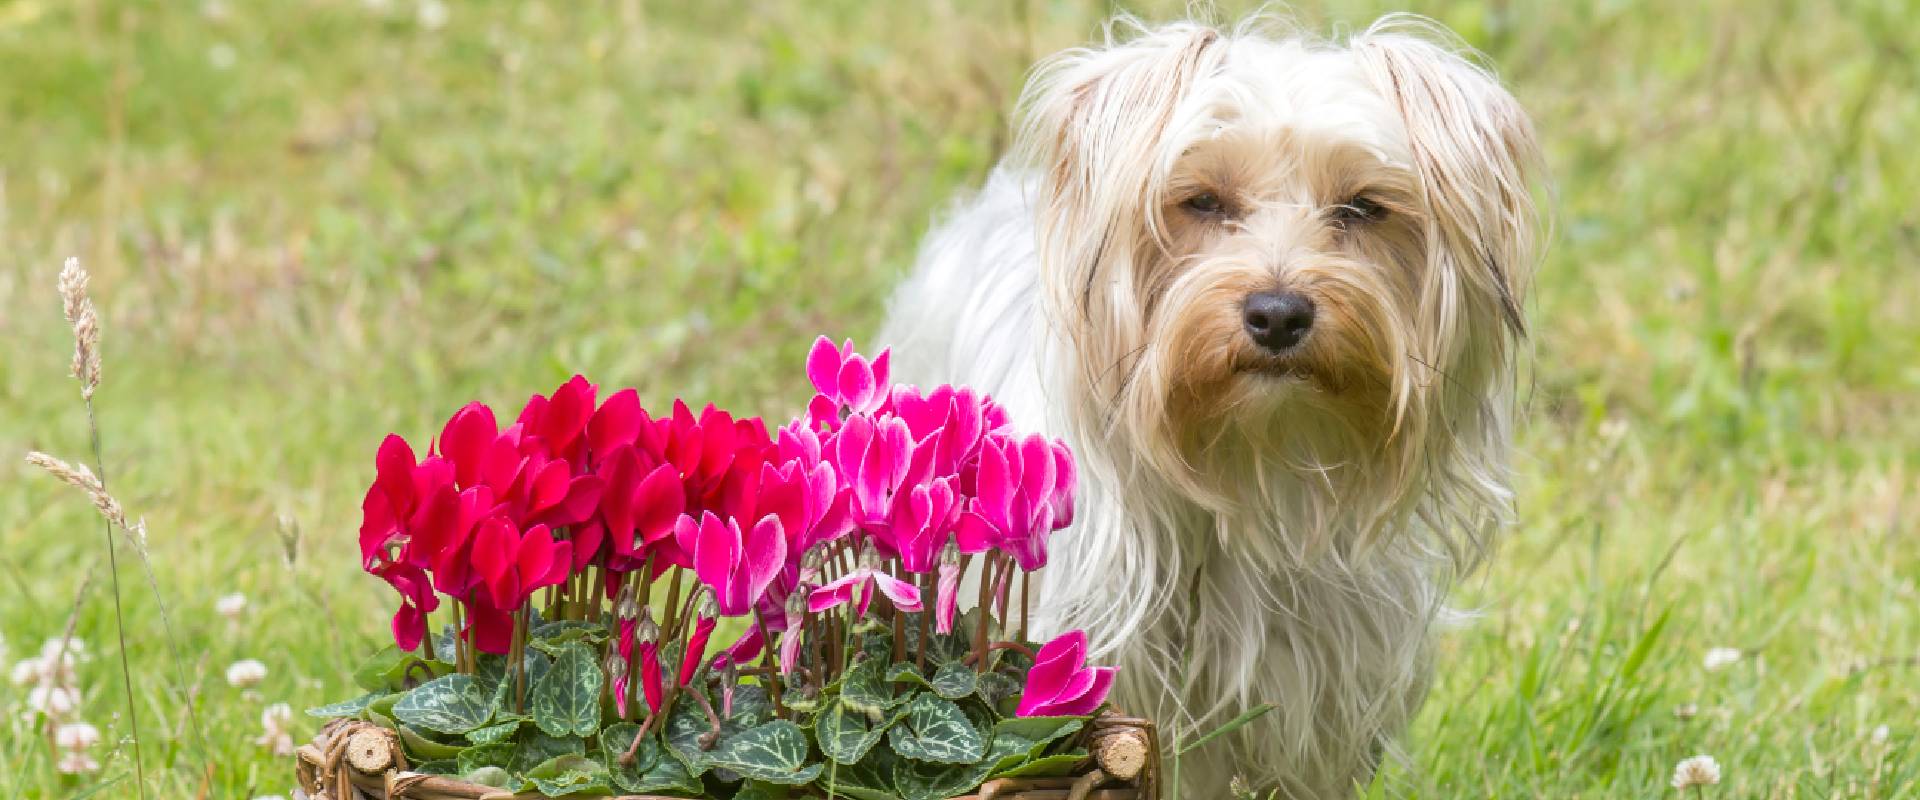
pixel 865 509
pixel 53 701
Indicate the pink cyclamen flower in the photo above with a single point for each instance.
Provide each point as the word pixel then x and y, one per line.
pixel 846 379
pixel 1061 684
pixel 872 458
pixel 1023 492
pixel 904 595
pixel 737 568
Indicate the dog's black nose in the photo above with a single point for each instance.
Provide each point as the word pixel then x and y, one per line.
pixel 1278 321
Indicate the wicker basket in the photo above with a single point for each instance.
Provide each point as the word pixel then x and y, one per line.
pixel 355 760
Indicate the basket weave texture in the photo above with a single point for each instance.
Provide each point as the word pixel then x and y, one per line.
pixel 357 760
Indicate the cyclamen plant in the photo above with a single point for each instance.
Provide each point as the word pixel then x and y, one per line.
pixel 829 552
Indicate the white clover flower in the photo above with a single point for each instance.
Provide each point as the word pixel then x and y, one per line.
pixel 77 762
pixel 26 671
pixel 75 649
pixel 1719 658
pixel 1686 711
pixel 53 701
pixel 76 736
pixel 1880 735
pixel 246 673
pixel 222 56
pixel 1699 770
pixel 433 14
pixel 231 606
pixel 275 717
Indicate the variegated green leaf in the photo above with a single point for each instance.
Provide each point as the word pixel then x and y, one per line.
pixel 755 790
pixel 921 780
pixel 448 704
pixel 686 724
pixel 345 708
pixel 568 775
pixel 568 630
pixel 998 689
pixel 1038 732
pixel 751 705
pixel 498 754
pixel 871 779
pixel 905 672
pixel 954 680
pixel 937 730
pixel 845 735
pixel 775 752
pixel 566 700
pixel 862 689
pixel 652 770
pixel 497 732
pixel 533 748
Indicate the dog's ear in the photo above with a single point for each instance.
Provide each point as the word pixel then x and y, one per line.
pixel 1094 123
pixel 1475 152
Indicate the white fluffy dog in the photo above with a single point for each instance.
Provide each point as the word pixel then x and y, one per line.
pixel 1270 289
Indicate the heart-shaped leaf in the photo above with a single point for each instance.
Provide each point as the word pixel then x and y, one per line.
pixel 447 704
pixel 999 689
pixel 559 632
pixel 499 754
pixel 497 732
pixel 775 752
pixel 845 735
pixel 566 700
pixel 935 729
pixel 871 779
pixel 954 680
pixel 864 690
pixel 534 748
pixel 569 774
pixel 391 669
pixel 921 780
pixel 652 771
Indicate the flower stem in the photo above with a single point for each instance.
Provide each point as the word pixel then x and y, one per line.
pixel 926 608
pixel 119 622
pixel 980 631
pixel 1026 590
pixel 766 658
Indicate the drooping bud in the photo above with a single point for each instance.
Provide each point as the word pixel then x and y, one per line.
pixel 616 667
pixel 706 606
pixel 646 631
pixel 870 559
pixel 950 553
pixel 626 604
pixel 815 558
pixel 796 607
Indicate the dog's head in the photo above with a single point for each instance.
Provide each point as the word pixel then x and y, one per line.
pixel 1272 257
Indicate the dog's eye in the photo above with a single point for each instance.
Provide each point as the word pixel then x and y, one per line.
pixel 1360 208
pixel 1206 204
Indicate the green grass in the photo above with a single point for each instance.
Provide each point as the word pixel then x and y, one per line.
pixel 361 222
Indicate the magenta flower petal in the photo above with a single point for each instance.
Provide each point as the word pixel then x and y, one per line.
pixel 696 648
pixel 948 598
pixel 903 594
pixel 715 552
pixel 1089 699
pixel 833 594
pixel 766 554
pixel 616 423
pixel 823 367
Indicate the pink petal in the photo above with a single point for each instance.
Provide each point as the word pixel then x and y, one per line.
pixel 882 368
pixel 823 367
pixel 790 649
pixel 948 598
pixel 766 553
pixel 856 383
pixel 836 593
pixel 393 466
pixel 409 627
pixel 502 465
pixel 1091 698
pixel 995 486
pixel 549 486
pixel 716 550
pixel 566 414
pixel 904 595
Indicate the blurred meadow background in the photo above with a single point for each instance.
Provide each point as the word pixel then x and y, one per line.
pixel 311 222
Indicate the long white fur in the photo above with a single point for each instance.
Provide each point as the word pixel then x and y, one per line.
pixel 1262 540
